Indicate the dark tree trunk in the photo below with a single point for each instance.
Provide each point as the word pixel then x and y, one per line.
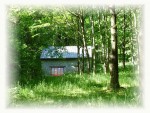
pixel 124 43
pixel 113 65
pixel 79 63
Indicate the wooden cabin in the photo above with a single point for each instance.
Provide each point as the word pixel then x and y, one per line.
pixel 57 61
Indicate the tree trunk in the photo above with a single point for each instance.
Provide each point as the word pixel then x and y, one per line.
pixel 84 41
pixel 100 36
pixel 132 39
pixel 105 50
pixel 124 43
pixel 108 46
pixel 113 65
pixel 79 66
pixel 93 44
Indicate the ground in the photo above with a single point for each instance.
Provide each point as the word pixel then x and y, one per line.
pixel 74 90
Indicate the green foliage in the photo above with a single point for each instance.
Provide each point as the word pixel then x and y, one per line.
pixel 32 29
pixel 74 90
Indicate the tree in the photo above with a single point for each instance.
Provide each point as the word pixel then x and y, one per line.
pixel 78 40
pixel 93 44
pixel 124 36
pixel 113 64
pixel 82 20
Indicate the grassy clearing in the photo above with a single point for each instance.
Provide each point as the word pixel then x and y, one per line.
pixel 71 90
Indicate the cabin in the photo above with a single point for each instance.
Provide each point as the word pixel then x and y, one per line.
pixel 57 61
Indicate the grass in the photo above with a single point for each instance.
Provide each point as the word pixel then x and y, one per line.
pixel 76 90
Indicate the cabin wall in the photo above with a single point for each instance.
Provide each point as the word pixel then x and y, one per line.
pixel 70 66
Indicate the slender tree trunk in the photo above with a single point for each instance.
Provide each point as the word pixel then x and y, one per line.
pixel 104 45
pixel 108 52
pixel 84 42
pixel 83 62
pixel 83 47
pixel 79 66
pixel 124 43
pixel 113 65
pixel 136 39
pixel 93 44
pixel 101 55
pixel 108 46
pixel 132 39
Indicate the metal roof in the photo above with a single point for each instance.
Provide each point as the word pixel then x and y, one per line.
pixel 54 52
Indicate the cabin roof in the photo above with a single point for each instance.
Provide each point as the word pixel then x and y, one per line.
pixel 55 52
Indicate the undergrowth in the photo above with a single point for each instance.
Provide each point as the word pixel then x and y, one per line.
pixel 73 89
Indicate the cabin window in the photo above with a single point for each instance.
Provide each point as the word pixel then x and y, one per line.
pixel 57 71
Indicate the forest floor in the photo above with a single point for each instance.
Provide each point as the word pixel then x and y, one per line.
pixel 75 90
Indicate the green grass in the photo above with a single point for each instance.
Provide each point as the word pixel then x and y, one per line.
pixel 76 90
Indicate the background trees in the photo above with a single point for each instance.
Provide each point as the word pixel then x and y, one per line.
pixel 36 28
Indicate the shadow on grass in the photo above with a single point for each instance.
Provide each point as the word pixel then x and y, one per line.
pixel 94 92
pixel 96 96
